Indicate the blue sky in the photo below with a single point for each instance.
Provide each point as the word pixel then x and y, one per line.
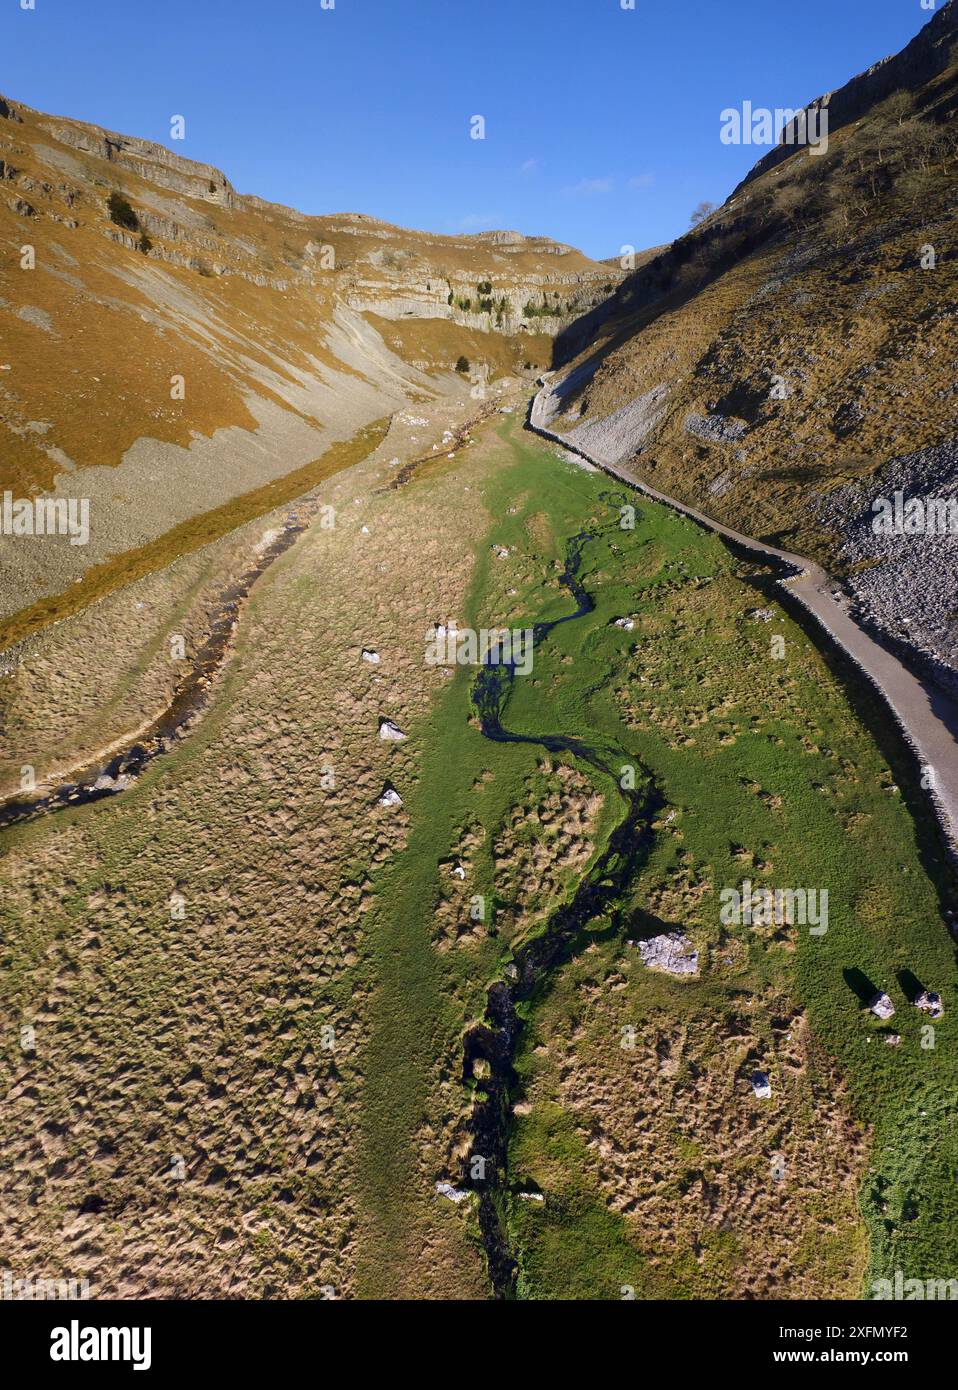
pixel 601 124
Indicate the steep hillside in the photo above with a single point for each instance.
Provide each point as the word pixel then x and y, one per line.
pixel 168 345
pixel 796 356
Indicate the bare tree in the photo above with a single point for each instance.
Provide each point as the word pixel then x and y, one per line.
pixel 703 211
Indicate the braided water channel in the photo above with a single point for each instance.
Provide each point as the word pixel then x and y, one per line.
pixel 496 1040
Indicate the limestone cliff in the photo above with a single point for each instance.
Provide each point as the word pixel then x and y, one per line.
pixel 168 344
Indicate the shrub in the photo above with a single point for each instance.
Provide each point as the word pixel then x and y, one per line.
pixel 145 244
pixel 122 213
pixel 463 364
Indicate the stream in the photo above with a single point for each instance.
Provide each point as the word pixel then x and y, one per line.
pixel 926 714
pixel 496 1040
pixel 189 699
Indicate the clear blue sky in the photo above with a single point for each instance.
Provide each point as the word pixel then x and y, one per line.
pixel 602 124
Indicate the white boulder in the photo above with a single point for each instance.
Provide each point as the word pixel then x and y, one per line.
pixel 671 952
pixel 454 1194
pixel 930 1004
pixel 761 1085
pixel 881 1006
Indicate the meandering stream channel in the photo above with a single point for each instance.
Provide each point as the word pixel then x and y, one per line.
pixel 926 717
pixel 495 1041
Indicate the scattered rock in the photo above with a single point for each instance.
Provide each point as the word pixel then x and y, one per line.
pixel 106 783
pixel 454 1194
pixel 901 581
pixel 671 952
pixel 930 1004
pixel 715 428
pixel 881 1006
pixel 390 731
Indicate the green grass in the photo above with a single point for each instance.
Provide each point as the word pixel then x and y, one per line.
pixel 780 765
pixel 573 1247
pixel 752 755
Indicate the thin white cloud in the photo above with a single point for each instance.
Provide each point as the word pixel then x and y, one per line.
pixel 642 181
pixel 531 166
pixel 590 188
pixel 476 221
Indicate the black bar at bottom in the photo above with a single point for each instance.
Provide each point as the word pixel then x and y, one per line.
pixel 108 1339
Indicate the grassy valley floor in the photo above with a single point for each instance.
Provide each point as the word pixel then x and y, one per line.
pixel 297 1037
pixel 662 1172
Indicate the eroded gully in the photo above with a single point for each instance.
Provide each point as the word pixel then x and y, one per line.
pixel 190 698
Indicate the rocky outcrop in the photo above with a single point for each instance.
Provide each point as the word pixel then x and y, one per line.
pixel 149 161
pixel 671 952
pixel 502 298
pixel 224 341
pixel 924 59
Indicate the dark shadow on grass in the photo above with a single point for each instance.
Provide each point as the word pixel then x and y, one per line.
pixel 860 985
pixel 868 705
pixel 911 986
